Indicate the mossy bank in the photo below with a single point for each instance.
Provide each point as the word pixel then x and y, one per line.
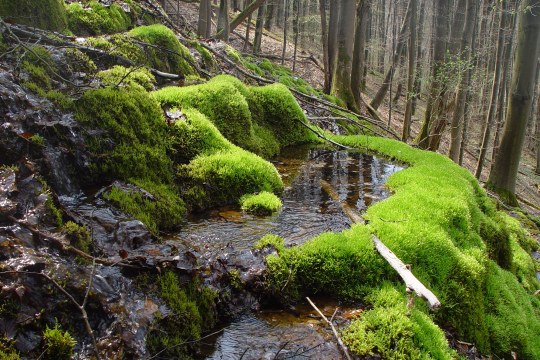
pixel 441 222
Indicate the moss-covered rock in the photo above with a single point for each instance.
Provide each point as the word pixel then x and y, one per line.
pixel 259 119
pixel 167 54
pixel 44 14
pixel 264 203
pixel 390 331
pixel 94 18
pixel 140 78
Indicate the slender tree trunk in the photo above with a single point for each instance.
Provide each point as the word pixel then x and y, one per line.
pixel 296 29
pixel 341 82
pixel 411 71
pixel 333 38
pixel 285 27
pixel 223 20
pixel 465 82
pixel 537 136
pixel 418 76
pixel 381 93
pixel 250 9
pixel 505 168
pixel 324 40
pixel 359 59
pixel 259 28
pixel 248 29
pixel 205 19
pixel 494 90
pixel 270 12
pixel 437 87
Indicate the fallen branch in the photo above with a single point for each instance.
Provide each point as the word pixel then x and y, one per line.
pixel 408 277
pixel 324 137
pixel 340 342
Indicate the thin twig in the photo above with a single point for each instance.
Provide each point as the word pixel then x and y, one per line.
pixel 340 342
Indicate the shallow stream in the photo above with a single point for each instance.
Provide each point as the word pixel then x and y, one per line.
pixel 359 179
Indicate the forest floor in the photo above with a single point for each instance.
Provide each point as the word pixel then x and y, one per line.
pixel 306 67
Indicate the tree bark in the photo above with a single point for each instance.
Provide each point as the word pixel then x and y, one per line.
pixel 494 89
pixel 437 88
pixel 505 168
pixel 465 82
pixel 359 56
pixel 411 72
pixel 223 20
pixel 250 9
pixel 341 82
pixel 259 28
pixel 204 25
pixel 332 38
pixel 381 93
pixel 324 41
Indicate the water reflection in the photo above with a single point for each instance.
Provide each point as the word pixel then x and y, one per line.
pixel 307 210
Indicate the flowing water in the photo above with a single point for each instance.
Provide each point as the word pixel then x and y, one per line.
pixel 359 179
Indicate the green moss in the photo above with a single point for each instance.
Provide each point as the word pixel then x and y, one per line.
pixel 441 222
pixel 389 331
pixel 275 241
pixel 259 119
pixel 9 355
pixel 159 207
pixel 332 263
pixel 95 18
pixel 170 55
pixel 139 78
pixel 44 14
pixel 126 134
pixel 78 236
pixel 58 345
pixel 192 311
pixel 54 212
pixel 78 61
pixel 264 203
pixel 223 177
pixel 513 319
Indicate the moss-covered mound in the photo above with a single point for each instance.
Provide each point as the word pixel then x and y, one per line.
pixel 140 78
pixel 94 18
pixel 442 223
pixel 394 331
pixel 166 54
pixel 264 203
pixel 44 14
pixel 259 119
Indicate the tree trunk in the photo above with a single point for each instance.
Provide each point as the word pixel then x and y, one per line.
pixel 437 88
pixel 205 19
pixel 259 27
pixel 465 82
pixel 494 89
pixel 296 29
pixel 332 38
pixel 419 53
pixel 285 27
pixel 341 82
pixel 223 20
pixel 324 40
pixel 505 168
pixel 381 93
pixel 411 71
pixel 359 59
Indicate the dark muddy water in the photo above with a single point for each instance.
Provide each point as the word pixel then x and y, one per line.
pixel 307 211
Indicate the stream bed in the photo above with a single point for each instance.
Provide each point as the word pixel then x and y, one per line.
pixel 307 211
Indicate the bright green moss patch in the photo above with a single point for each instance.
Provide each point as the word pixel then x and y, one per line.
pixel 388 330
pixel 167 54
pixel 343 263
pixel 94 18
pixel 259 119
pixel 270 240
pixel 140 78
pixel 58 344
pixel 44 14
pixel 441 222
pixel 159 207
pixel 223 177
pixel 78 236
pixel 264 203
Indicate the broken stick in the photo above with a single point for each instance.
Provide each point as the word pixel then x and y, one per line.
pixel 340 342
pixel 408 277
